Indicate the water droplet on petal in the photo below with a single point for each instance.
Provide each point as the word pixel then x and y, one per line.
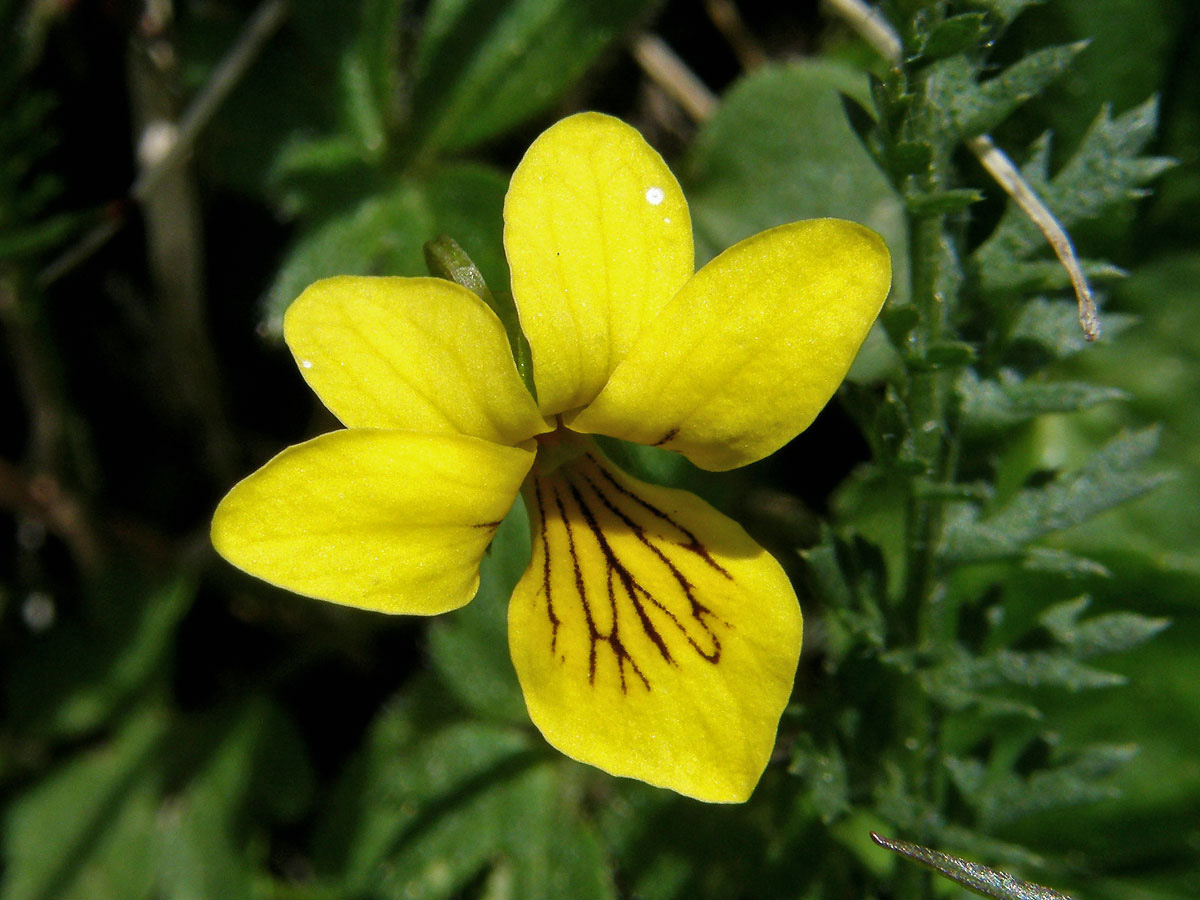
pixel 306 364
pixel 655 196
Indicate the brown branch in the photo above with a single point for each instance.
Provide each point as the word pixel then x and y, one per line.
pixel 43 498
pixel 662 66
pixel 728 20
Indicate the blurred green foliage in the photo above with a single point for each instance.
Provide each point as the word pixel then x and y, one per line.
pixel 993 534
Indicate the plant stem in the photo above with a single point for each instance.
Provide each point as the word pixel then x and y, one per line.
pixel 935 280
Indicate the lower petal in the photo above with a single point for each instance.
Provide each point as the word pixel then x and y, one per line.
pixel 652 636
pixel 384 520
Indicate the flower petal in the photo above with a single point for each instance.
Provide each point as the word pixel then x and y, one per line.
pixel 651 635
pixel 598 239
pixel 750 350
pixel 385 520
pixel 420 354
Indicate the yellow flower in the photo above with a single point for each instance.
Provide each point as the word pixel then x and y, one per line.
pixel 652 636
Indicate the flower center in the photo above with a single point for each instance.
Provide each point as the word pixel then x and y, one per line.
pixel 558 447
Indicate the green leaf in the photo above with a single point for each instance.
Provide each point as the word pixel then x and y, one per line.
pixel 823 770
pixel 899 321
pixel 1010 276
pixel 39 236
pixel 81 832
pixel 1053 326
pixel 429 803
pixel 1059 562
pixel 980 110
pixel 483 67
pixel 1005 796
pixel 862 121
pixel 964 680
pixel 954 35
pixel 1099 635
pixel 469 649
pixel 384 234
pixel 117 643
pixel 949 355
pixel 247 762
pixel 992 404
pixel 1111 476
pixel 849 578
pixel 1105 169
pixel 940 203
pixel 751 167
pixel 1007 10
pixel 910 157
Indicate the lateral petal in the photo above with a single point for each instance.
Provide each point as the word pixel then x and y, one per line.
pixel 598 238
pixel 653 638
pixel 748 352
pixel 385 520
pixel 420 354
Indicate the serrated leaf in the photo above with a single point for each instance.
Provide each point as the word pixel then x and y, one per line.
pixel 899 321
pixel 1108 633
pixel 1011 276
pixel 989 103
pixel 954 35
pixel 964 679
pixel 910 157
pixel 1005 796
pixel 1007 10
pixel 883 419
pixel 823 769
pixel 991 404
pixel 483 66
pixel 80 833
pixel 1105 169
pixel 949 355
pixel 1054 326
pixel 1059 562
pixel 1111 476
pixel 849 576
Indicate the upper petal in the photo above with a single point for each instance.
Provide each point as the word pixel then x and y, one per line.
pixel 421 354
pixel 748 352
pixel 652 636
pixel 598 239
pixel 385 520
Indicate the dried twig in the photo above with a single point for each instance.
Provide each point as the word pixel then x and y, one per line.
pixel 728 20
pixel 668 71
pixel 43 498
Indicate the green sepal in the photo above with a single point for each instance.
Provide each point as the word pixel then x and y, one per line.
pixel 446 259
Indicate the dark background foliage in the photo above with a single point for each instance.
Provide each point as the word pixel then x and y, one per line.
pixel 171 728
